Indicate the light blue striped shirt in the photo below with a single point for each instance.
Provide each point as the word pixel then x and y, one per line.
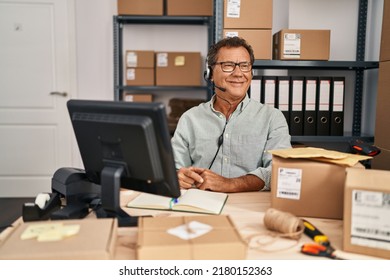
pixel 251 131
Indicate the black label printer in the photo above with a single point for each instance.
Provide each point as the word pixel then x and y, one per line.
pixel 72 197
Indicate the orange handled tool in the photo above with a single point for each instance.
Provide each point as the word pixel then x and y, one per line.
pixel 321 247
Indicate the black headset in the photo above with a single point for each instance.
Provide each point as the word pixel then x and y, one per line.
pixel 208 73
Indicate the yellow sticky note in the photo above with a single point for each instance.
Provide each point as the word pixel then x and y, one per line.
pixel 33 231
pixel 180 60
pixel 49 231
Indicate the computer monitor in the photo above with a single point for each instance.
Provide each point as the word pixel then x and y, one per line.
pixel 124 145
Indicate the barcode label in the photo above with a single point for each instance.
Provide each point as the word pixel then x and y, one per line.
pixel 289 183
pixel 370 223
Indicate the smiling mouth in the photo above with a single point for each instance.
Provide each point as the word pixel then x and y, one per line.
pixel 235 83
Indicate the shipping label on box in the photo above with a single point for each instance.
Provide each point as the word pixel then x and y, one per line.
pixel 289 183
pixel 292 45
pixel 370 222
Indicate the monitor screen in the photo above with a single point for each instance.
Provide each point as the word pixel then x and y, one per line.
pixel 124 145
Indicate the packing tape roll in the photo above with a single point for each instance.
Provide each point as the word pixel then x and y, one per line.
pixel 41 200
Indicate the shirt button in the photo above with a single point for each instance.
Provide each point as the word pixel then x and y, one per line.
pixel 227 135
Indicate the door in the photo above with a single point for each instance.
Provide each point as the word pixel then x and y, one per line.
pixel 35 84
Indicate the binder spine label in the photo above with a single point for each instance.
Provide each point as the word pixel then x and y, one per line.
pixel 310 103
pixel 324 96
pixel 283 95
pixel 297 95
pixel 338 96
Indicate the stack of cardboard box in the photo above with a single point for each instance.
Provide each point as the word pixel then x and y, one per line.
pixel 382 122
pixel 139 72
pixel 251 20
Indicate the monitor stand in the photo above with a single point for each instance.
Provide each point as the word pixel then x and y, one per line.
pixel 110 197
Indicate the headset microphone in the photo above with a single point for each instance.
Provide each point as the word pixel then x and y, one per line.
pixel 220 88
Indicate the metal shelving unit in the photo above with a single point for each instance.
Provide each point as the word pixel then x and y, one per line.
pixel 118 25
pixel 359 67
pixel 313 65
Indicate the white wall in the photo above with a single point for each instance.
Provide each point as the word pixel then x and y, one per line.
pixel 95 48
pixel 95 43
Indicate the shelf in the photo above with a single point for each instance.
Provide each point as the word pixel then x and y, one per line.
pixel 118 25
pixel 314 138
pixel 325 65
pixel 161 88
pixel 163 20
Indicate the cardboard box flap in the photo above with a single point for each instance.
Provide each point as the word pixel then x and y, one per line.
pixel 320 154
pixel 376 179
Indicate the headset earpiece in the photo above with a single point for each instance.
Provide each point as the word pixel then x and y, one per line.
pixel 208 74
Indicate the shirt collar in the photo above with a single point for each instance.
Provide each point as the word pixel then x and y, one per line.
pixel 240 106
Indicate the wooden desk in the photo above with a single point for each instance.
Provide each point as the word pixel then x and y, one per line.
pixel 247 212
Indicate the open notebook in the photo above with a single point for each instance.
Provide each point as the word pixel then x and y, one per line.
pixel 191 200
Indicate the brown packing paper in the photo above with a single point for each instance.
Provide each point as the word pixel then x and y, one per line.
pixel 319 154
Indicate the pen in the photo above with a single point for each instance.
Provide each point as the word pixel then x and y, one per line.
pixel 173 202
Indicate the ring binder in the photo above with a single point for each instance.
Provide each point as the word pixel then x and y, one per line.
pixel 323 113
pixel 337 106
pixel 309 107
pixel 296 101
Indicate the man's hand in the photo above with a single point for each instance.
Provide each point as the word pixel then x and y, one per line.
pixel 189 177
pixel 205 179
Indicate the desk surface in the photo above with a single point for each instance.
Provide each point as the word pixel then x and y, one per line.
pixel 247 212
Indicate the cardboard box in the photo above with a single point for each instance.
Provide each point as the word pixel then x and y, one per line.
pixel 141 7
pixel 301 44
pixel 178 69
pixel 259 39
pixel 219 241
pixel 247 14
pixel 141 59
pixel 367 212
pixel 94 241
pixel 318 187
pixel 140 77
pixel 190 7
pixel 385 39
pixel 138 97
pixel 382 120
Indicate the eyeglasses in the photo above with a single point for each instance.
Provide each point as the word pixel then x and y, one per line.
pixel 229 66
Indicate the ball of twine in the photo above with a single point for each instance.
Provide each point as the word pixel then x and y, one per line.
pixel 286 224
